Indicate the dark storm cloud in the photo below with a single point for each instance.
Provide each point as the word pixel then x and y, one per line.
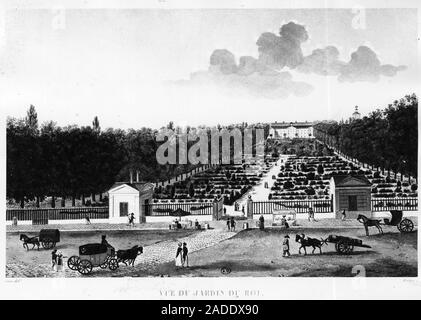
pixel 263 76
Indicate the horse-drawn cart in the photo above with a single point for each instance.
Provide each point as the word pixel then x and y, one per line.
pixel 403 225
pixel 345 245
pixel 49 238
pixel 93 255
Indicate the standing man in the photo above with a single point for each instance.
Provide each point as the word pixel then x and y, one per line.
pixel 228 224
pixel 185 255
pixel 261 222
pixel 232 224
pixel 53 259
pixel 310 214
pixel 285 246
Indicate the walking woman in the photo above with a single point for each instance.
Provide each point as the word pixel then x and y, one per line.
pixel 179 256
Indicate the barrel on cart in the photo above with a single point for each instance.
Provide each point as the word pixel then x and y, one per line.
pixel 49 238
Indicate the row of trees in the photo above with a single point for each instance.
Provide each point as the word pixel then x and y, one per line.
pixel 385 138
pixel 77 162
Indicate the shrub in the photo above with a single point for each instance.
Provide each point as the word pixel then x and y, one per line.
pixel 288 185
pixel 414 187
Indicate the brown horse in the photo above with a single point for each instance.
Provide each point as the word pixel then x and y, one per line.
pixel 369 223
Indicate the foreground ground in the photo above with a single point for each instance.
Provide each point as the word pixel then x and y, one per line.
pixel 259 253
pixel 247 253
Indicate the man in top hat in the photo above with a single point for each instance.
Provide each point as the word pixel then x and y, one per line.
pixel 285 246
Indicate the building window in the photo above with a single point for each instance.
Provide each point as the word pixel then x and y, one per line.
pixel 124 209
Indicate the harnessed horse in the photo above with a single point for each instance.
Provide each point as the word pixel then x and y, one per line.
pixel 27 240
pixel 309 242
pixel 369 223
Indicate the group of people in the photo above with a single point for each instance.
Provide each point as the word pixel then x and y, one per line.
pixel 182 255
pixel 231 224
pixel 57 260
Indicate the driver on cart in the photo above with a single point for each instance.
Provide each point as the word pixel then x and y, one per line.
pixel 105 242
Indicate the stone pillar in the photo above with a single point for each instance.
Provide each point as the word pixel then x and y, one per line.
pixel 249 208
pixel 215 210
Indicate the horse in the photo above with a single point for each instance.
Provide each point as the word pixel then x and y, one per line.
pixel 26 240
pixel 129 256
pixel 369 223
pixel 309 242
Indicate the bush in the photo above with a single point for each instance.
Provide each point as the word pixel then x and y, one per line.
pixel 414 187
pixel 288 185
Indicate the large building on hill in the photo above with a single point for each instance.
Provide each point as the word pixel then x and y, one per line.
pixel 291 130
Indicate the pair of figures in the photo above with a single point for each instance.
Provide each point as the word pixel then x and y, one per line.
pixel 131 219
pixel 57 260
pixel 182 255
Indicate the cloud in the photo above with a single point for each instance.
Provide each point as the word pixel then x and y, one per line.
pixel 323 62
pixel 264 75
pixel 249 77
pixel 283 50
pixel 365 66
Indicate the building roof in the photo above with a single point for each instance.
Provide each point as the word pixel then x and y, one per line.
pixel 140 186
pixel 351 180
pixel 289 124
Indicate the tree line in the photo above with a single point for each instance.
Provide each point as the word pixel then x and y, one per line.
pixel 79 162
pixel 385 138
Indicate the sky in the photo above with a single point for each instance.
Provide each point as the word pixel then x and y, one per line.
pixel 146 67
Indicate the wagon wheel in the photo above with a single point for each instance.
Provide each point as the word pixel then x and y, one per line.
pixel 225 270
pixel 113 264
pixel 85 267
pixel 343 247
pixel 73 262
pixel 47 243
pixel 406 225
pixel 350 248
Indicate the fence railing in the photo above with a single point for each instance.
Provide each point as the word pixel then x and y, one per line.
pixel 300 206
pixel 387 204
pixel 58 214
pixel 174 209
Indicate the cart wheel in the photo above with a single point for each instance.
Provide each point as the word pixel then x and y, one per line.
pixel 342 247
pixel 85 267
pixel 406 225
pixel 350 248
pixel 47 243
pixel 73 262
pixel 113 264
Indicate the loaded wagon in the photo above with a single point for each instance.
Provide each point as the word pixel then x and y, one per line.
pixel 93 255
pixel 49 238
pixel 345 245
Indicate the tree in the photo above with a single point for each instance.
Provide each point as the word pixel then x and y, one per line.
pixel 31 120
pixel 320 169
pixel 95 125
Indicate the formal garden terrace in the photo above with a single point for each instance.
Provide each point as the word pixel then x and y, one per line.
pixel 303 179
pixel 230 181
